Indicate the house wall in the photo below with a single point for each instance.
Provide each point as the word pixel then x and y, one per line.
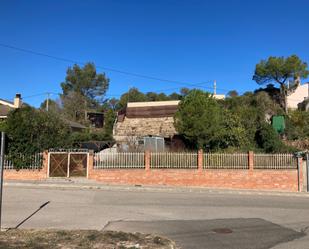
pixel 140 127
pixel 298 96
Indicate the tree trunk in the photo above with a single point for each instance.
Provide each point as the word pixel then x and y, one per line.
pixel 284 101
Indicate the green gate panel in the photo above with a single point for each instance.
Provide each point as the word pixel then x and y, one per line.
pixel 278 123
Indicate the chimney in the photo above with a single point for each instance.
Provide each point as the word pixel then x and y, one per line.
pixel 17 100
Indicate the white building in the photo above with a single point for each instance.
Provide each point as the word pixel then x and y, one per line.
pixel 299 95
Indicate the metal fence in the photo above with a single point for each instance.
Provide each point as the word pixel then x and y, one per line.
pixel 170 160
pixel 225 161
pixel 184 160
pixel 121 160
pixel 275 161
pixel 34 162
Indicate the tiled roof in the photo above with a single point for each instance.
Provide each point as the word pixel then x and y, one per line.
pixel 9 102
pixel 4 110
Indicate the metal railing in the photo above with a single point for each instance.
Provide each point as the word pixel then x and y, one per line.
pixel 225 161
pixel 170 160
pixel 34 162
pixel 121 160
pixel 274 161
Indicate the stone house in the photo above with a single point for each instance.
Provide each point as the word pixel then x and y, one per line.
pixel 146 125
pixel 7 106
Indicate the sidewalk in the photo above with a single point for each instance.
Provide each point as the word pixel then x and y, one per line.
pixel 82 183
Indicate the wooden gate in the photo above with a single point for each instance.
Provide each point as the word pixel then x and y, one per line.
pixel 67 164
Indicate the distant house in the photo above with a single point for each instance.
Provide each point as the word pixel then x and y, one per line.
pixel 300 94
pixel 96 119
pixel 8 106
pixel 146 125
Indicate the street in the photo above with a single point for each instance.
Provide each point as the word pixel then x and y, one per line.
pixel 192 218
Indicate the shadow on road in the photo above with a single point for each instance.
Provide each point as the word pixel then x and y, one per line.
pixel 239 233
pixel 27 218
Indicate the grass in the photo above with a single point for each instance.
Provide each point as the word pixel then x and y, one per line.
pixel 80 239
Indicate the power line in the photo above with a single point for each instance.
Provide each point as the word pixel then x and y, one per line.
pixel 98 66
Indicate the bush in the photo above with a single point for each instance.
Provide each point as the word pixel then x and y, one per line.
pixel 31 131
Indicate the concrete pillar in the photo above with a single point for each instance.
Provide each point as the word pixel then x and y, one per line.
pixel 90 163
pixel 251 160
pixel 45 166
pixel 200 160
pixel 147 160
pixel 300 173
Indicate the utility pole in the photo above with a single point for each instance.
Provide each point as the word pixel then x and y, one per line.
pixel 1 171
pixel 215 87
pixel 47 102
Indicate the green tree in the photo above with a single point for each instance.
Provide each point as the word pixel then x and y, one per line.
pixel 297 125
pixel 198 119
pixel 232 93
pixel 232 133
pixel 52 105
pixel 268 139
pixel 281 70
pixel 86 82
pixel 31 131
pixel 133 95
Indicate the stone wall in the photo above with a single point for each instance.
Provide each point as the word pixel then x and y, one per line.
pixel 140 127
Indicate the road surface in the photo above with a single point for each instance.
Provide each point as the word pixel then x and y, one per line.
pixel 193 218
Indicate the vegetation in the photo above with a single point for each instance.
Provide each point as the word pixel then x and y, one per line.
pixel 238 123
pixel 83 89
pixel 80 239
pixel 281 71
pixel 31 131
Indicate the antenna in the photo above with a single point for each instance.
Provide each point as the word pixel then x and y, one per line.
pixel 47 101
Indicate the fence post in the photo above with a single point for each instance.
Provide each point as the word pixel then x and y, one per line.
pixel 200 160
pixel 307 170
pixel 45 166
pixel 300 173
pixel 90 163
pixel 251 160
pixel 147 160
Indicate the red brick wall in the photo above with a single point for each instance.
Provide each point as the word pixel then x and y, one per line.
pixel 284 180
pixel 281 180
pixel 28 174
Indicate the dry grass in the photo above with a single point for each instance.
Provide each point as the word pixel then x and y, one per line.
pixel 80 239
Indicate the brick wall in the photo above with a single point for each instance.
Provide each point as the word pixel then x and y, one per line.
pixel 28 174
pixel 281 180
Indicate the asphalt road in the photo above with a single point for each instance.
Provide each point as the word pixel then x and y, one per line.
pixel 194 219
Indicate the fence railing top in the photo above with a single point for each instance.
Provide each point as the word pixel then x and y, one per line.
pixel 68 150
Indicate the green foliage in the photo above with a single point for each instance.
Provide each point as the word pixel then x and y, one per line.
pixel 280 70
pixel 268 139
pixel 31 131
pixel 232 132
pixel 232 93
pixel 109 120
pixel 198 119
pixel 297 125
pixel 83 90
pixel 85 81
pixel 235 124
pixel 53 106
pixel 134 95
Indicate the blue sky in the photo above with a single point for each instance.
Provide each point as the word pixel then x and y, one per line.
pixel 189 41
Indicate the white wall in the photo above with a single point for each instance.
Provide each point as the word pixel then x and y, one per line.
pixel 298 96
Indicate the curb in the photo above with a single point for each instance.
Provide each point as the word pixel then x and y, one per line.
pixel 168 189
